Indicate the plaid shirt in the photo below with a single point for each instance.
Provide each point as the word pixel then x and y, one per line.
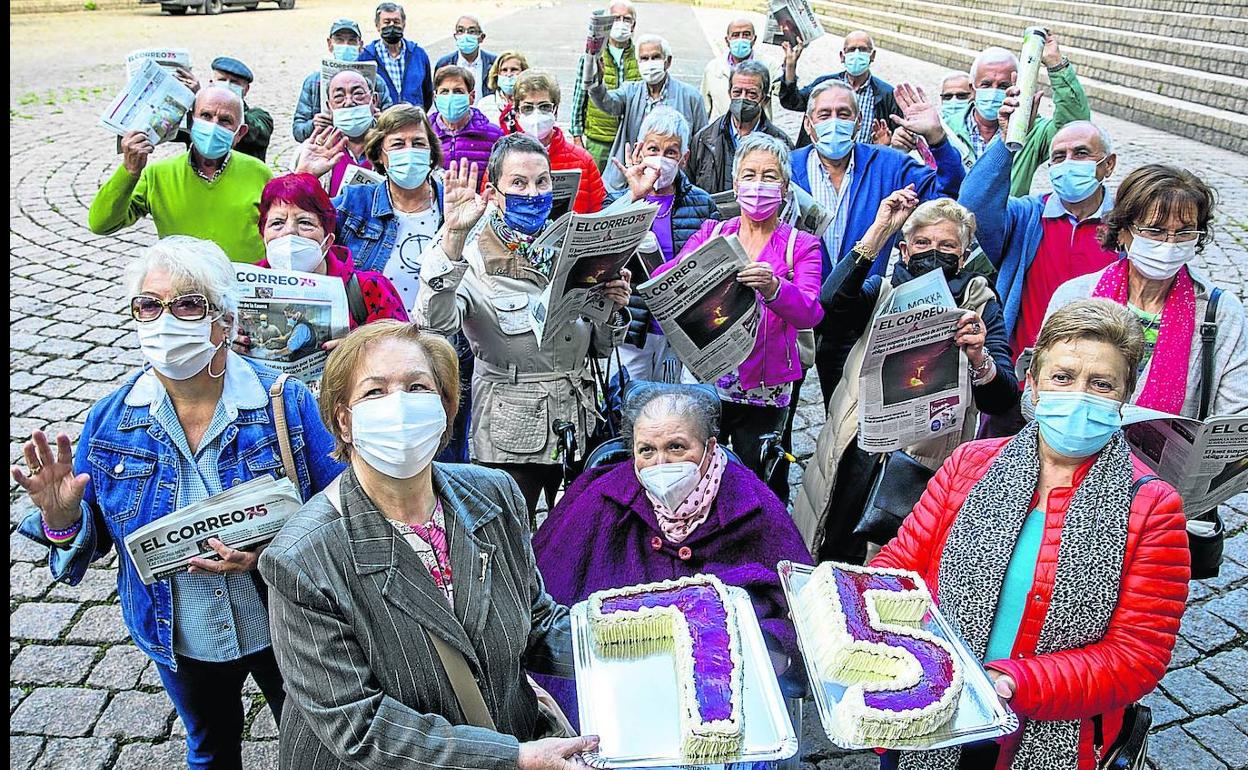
pixel 394 66
pixel 580 100
pixel 830 198
pixel 866 108
pixel 978 143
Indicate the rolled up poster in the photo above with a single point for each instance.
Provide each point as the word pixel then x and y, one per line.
pixel 1028 71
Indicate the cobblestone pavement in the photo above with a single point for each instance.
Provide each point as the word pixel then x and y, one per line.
pixel 80 694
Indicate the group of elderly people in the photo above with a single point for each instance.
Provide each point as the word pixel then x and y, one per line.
pixel 1059 559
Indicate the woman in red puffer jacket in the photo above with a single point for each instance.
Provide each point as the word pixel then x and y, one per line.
pixel 1063 568
pixel 536 100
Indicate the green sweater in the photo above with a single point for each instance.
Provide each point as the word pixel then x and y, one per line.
pixel 1070 103
pixel 180 202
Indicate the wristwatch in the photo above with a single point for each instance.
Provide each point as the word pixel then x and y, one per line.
pixel 862 253
pixel 1061 65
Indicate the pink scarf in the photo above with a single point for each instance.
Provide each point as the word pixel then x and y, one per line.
pixel 680 523
pixel 1166 386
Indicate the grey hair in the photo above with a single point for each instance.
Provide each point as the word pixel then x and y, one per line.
pixel 955 74
pixel 698 404
pixel 757 141
pixel 475 20
pixel 755 69
pixel 627 4
pixel 388 8
pixel 666 121
pixel 991 55
pixel 194 265
pixel 941 210
pixel 741 20
pixel 512 143
pixel 648 39
pixel 826 86
pixel 1106 143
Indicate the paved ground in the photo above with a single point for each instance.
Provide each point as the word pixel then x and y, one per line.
pixel 80 695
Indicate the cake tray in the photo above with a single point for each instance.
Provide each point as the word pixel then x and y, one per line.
pixel 631 703
pixel 980 716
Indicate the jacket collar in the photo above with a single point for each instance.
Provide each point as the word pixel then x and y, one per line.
pixel 241 389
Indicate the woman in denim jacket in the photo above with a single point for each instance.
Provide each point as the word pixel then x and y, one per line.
pixel 193 423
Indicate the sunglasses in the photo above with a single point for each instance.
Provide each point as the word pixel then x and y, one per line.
pixel 185 307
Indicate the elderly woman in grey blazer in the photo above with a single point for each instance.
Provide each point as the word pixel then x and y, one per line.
pixel 404 570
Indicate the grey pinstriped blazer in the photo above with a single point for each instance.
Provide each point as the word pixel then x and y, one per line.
pixel 350 605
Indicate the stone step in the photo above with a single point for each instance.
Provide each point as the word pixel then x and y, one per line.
pixel 1204 7
pixel 1214 126
pixel 1219 58
pixel 1180 83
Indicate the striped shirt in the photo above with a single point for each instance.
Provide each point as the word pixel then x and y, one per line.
pixel 978 143
pixel 826 195
pixel 865 94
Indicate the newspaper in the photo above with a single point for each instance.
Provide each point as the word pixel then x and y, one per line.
pixel 1206 462
pixel 241 517
pixel 931 288
pixel 564 185
pixel 331 67
pixel 726 204
pixel 593 248
pixel 710 320
pixel 153 102
pixel 789 21
pixel 280 308
pixel 804 212
pixel 600 22
pixel 360 175
pixel 914 383
pixel 176 58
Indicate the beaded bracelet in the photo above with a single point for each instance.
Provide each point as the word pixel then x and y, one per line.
pixel 61 536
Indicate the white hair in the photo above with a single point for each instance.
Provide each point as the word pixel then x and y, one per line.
pixel 1107 144
pixel 626 4
pixel 955 74
pixel 757 141
pixel 649 39
pixel 991 55
pixel 666 121
pixel 826 86
pixel 475 19
pixel 194 265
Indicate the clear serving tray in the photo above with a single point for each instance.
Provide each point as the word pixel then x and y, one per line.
pixel 631 703
pixel 980 716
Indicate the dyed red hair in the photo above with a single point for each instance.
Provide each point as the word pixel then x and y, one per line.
pixel 302 190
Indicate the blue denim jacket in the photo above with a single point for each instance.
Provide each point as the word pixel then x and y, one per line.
pixel 133 478
pixel 367 225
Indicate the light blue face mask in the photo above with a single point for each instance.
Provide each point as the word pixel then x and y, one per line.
pixel 1077 424
pixel 452 107
pixel 1074 180
pixel 834 138
pixel 343 52
pixel 507 83
pixel 408 168
pixel 467 44
pixel 857 62
pixel 353 121
pixel 210 140
pixel 953 110
pixel 988 101
pixel 740 48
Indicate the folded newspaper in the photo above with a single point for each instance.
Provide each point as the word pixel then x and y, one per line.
pixel 331 67
pixel 914 384
pixel 1207 462
pixel 288 316
pixel 174 58
pixel 564 185
pixel 709 318
pixel 789 21
pixel 241 517
pixel 153 102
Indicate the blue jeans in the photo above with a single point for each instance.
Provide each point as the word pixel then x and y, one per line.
pixel 208 697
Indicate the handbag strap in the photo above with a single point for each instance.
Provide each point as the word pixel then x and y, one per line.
pixel 277 399
pixel 788 251
pixel 463 683
pixel 1208 335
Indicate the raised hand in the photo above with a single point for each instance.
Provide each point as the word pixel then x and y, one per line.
pixel 792 52
pixel 187 78
pixel 323 150
pixel 641 176
pixel 322 120
pixel 50 481
pixel 464 204
pixel 903 140
pixel 880 133
pixel 618 290
pixel 891 215
pixel 136 148
pixel 919 116
pixel 1051 56
pixel 1008 108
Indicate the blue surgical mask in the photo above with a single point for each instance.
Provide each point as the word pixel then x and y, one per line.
pixel 953 110
pixel 1074 180
pixel 452 107
pixel 857 62
pixel 527 213
pixel 988 101
pixel 353 121
pixel 1077 424
pixel 507 83
pixel 408 168
pixel 467 44
pixel 834 138
pixel 210 140
pixel 740 48
pixel 343 52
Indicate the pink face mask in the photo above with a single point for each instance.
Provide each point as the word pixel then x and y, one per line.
pixel 759 200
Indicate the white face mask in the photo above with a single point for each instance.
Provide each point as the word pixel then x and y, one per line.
pixel 621 31
pixel 671 483
pixel 177 349
pixel 667 170
pixel 398 434
pixel 652 71
pixel 294 252
pixel 538 125
pixel 1159 260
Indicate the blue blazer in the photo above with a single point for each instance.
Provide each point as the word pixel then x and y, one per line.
pixel 417 85
pixel 487 63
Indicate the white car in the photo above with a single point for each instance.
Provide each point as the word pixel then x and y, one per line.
pixel 212 7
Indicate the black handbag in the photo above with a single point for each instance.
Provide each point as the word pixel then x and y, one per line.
pixel 1130 749
pixel 898 484
pixel 1205 542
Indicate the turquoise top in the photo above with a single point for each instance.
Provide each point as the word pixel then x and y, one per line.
pixel 1019 576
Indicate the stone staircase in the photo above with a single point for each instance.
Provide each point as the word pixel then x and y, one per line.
pixel 1177 65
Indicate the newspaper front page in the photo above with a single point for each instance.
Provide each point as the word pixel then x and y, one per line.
pixel 241 517
pixel 288 316
pixel 175 58
pixel 331 67
pixel 153 102
pixel 789 21
pixel 564 185
pixel 1206 462
pixel 710 320
pixel 804 212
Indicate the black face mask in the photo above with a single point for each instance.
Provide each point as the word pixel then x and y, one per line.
pixel 745 111
pixel 933 259
pixel 392 34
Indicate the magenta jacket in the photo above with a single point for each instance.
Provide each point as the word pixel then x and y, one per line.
pixel 774 359
pixel 472 143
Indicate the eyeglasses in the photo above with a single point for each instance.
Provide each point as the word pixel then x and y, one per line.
pixel 955 95
pixel 1160 234
pixel 528 108
pixel 185 307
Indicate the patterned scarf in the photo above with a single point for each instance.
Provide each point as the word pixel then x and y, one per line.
pixel 1166 386
pixel 541 260
pixel 1086 584
pixel 694 509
